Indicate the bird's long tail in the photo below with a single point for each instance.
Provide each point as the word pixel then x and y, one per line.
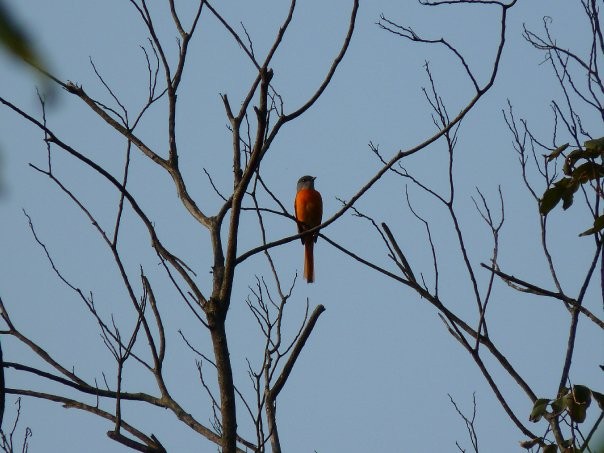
pixel 309 262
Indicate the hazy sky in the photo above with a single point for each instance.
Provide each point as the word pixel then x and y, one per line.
pixel 377 371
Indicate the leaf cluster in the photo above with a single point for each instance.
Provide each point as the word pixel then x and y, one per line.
pixel 572 402
pixel 581 166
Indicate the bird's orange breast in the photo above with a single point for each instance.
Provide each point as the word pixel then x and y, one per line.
pixel 309 207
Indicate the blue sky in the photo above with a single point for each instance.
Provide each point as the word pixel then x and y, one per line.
pixel 377 370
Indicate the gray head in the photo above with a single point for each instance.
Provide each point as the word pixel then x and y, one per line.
pixel 306 182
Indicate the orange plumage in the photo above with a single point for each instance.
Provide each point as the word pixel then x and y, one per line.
pixel 308 208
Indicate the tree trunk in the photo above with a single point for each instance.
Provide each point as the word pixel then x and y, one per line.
pixel 225 384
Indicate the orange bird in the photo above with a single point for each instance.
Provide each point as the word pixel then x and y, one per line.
pixel 308 207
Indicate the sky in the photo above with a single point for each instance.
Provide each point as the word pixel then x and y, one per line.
pixel 378 370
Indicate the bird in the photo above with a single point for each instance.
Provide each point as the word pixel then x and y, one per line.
pixel 308 208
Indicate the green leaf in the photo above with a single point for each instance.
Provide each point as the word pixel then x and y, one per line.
pixel 577 154
pixel 557 152
pixel 550 199
pixel 582 395
pixel 564 190
pixel 597 144
pixel 577 402
pixel 567 168
pixel 567 198
pixel 539 409
pixel 599 399
pixel 570 160
pixel 570 186
pixel 587 171
pixel 578 412
pixel 598 225
pixel 559 405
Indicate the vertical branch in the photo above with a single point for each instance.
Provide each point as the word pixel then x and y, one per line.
pixel 575 318
pixel 2 388
pixel 7 438
pixel 120 208
pixel 469 422
pixel 495 228
pixel 225 382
